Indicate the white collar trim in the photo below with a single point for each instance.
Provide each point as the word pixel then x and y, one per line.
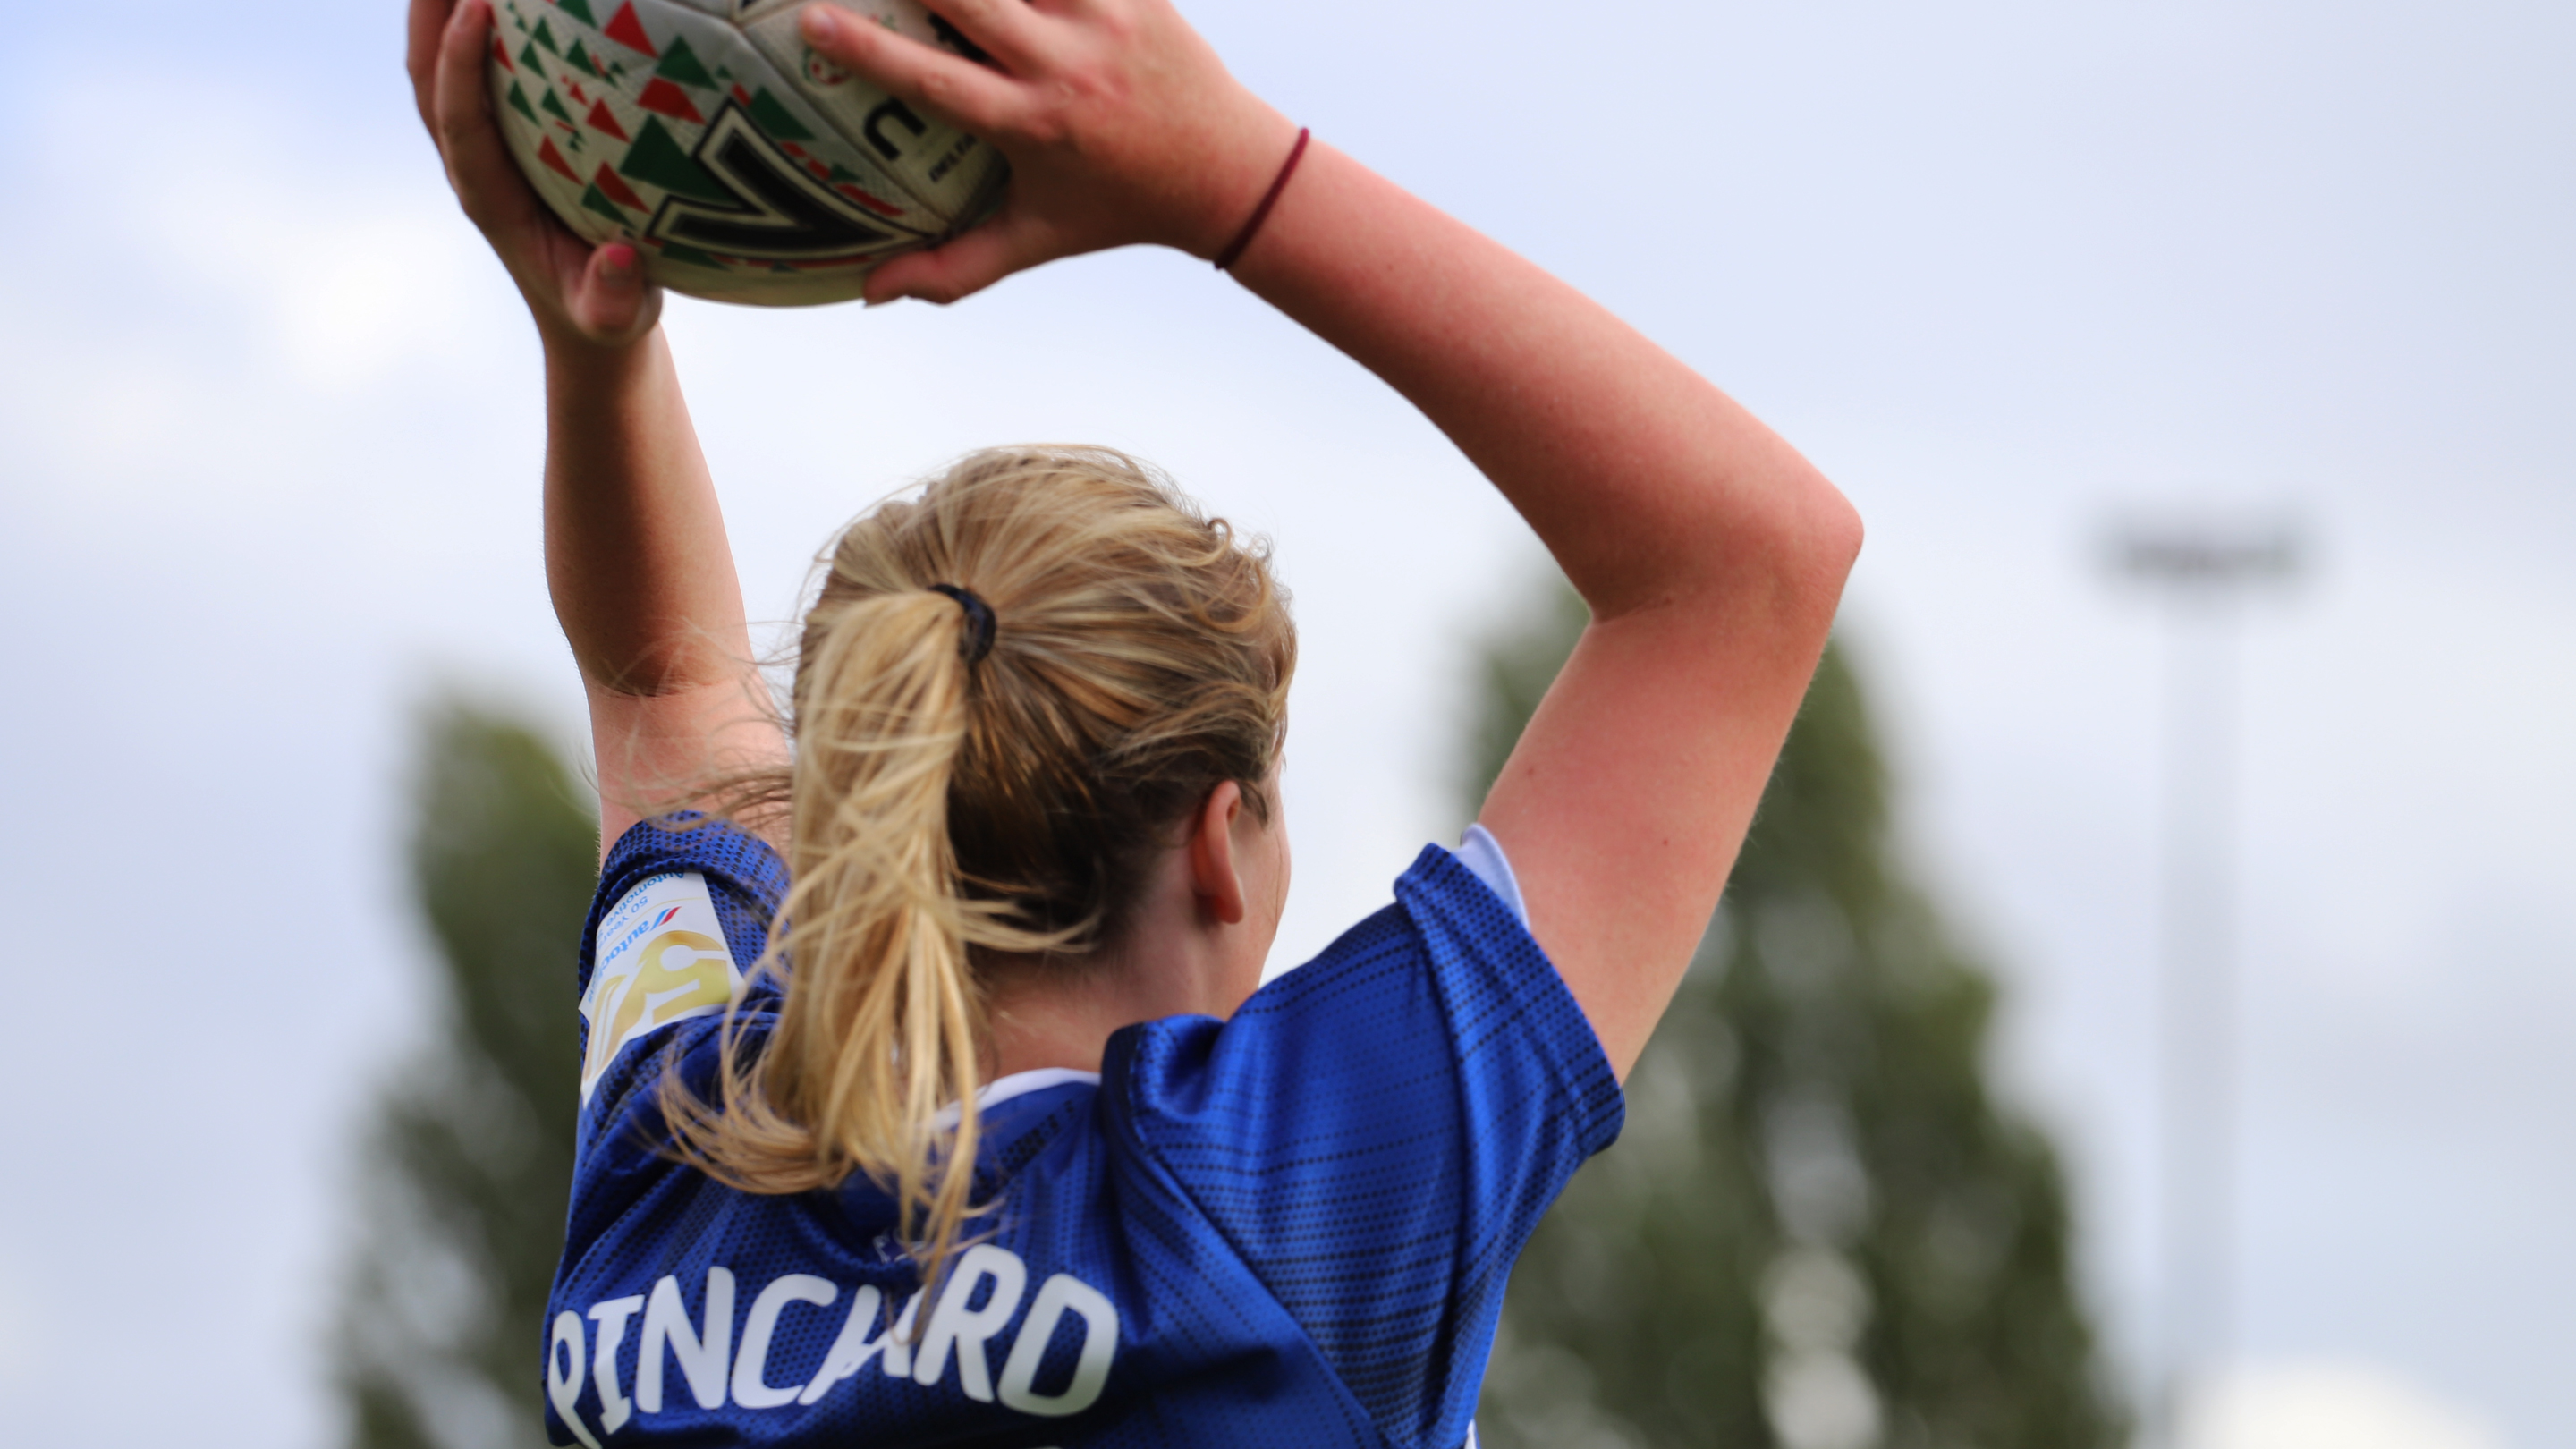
pixel 1019 1084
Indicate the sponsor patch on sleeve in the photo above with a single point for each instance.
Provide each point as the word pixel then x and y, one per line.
pixel 661 958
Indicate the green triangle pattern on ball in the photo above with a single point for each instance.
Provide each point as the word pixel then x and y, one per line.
pixel 657 160
pixel 776 119
pixel 555 107
pixel 681 64
pixel 591 200
pixel 578 10
pixel 546 38
pixel 528 58
pixel 519 103
pixel 579 59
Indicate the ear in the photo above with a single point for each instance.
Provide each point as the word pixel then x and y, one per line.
pixel 1213 877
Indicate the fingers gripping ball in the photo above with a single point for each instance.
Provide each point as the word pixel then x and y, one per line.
pixel 743 166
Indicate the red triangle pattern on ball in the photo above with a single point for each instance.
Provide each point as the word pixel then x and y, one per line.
pixel 665 99
pixel 605 124
pixel 554 160
pixel 615 187
pixel 628 31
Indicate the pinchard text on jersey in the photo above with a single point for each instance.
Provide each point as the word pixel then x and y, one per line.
pixel 588 1356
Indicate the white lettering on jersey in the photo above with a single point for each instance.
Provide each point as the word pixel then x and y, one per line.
pixel 750 1369
pixel 1090 1370
pixel 957 1329
pixel 563 1373
pixel 703 1356
pixel 611 1316
pixel 952 1323
pixel 851 1351
pixel 659 957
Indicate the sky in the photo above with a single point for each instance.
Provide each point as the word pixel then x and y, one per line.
pixel 269 428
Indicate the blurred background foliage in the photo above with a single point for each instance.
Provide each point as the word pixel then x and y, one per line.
pixel 467 1167
pixel 1820 1229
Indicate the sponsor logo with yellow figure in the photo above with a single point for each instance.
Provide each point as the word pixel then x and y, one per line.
pixel 661 958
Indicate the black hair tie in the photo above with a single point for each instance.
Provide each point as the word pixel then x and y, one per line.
pixel 979 621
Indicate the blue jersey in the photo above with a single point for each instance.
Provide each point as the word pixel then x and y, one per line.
pixel 1288 1228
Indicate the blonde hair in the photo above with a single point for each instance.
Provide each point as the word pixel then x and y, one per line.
pixel 942 808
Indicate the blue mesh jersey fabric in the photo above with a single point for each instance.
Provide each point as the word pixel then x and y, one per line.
pixel 1289 1228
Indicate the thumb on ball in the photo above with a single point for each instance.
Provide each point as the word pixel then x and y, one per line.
pixel 612 299
pixel 964 265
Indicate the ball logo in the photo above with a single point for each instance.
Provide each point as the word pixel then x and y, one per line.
pixel 822 72
pixel 764 204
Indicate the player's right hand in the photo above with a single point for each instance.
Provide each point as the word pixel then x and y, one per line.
pixel 578 293
pixel 1120 124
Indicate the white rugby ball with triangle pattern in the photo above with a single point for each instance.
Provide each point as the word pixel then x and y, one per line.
pixel 742 166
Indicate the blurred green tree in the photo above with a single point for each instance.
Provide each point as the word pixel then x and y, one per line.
pixel 1819 1230
pixel 467 1168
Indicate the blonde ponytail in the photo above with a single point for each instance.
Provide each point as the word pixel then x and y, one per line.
pixel 941 808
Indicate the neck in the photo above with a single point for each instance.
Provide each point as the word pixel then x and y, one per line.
pixel 1042 1012
pixel 1054 1011
pixel 1172 957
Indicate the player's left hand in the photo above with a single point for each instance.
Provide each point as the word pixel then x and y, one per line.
pixel 1120 123
pixel 578 293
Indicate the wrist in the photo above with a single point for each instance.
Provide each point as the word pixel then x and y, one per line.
pixel 1261 209
pixel 574 356
pixel 593 386
pixel 1242 173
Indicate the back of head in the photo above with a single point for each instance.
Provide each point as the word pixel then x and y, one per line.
pixel 943 806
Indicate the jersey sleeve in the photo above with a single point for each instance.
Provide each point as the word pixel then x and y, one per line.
pixel 1376 1134
pixel 681 919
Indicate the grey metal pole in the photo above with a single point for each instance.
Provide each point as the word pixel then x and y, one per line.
pixel 2197 1009
pixel 2203 572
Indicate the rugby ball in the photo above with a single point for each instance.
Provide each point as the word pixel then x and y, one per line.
pixel 743 166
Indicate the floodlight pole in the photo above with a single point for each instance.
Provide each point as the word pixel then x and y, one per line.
pixel 2203 573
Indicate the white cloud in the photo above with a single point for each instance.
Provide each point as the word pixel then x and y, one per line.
pixel 2328 1406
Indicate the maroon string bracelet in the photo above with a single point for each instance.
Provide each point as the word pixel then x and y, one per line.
pixel 1234 250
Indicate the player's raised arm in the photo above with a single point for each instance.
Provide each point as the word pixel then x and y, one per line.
pixel 1712 556
pixel 1711 553
pixel 636 556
